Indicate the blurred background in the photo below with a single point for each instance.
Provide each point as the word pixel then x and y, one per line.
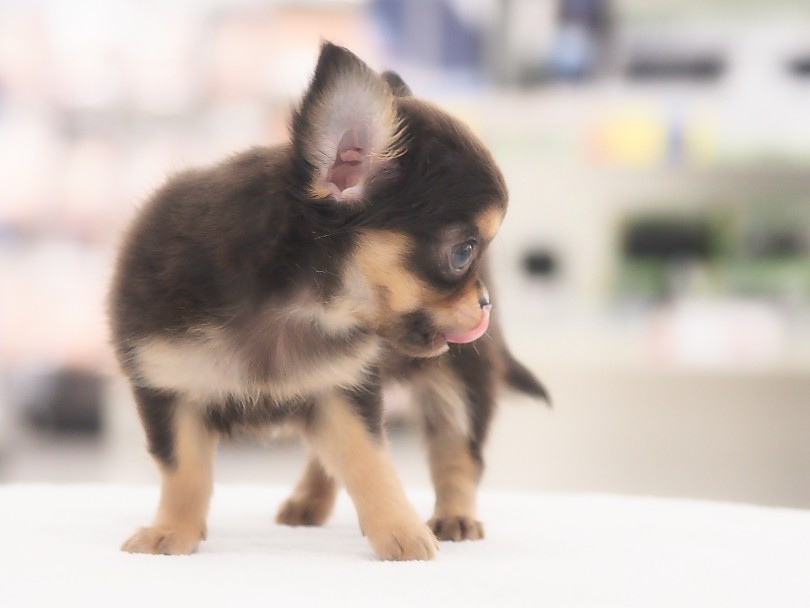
pixel 654 267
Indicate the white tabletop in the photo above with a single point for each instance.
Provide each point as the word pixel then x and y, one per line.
pixel 59 546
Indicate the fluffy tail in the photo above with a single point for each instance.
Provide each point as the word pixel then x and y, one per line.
pixel 522 380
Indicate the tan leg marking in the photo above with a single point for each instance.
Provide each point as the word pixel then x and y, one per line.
pixel 455 477
pixel 186 488
pixel 312 500
pixel 454 472
pixel 386 517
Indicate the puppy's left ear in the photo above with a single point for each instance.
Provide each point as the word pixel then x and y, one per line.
pixel 346 129
pixel 396 84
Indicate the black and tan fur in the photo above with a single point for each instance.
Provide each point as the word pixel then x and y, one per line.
pixel 289 285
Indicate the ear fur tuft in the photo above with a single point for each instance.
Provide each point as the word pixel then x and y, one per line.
pixel 347 126
pixel 396 84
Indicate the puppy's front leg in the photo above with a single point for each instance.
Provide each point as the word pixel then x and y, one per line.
pixel 455 476
pixel 454 438
pixel 346 433
pixel 184 450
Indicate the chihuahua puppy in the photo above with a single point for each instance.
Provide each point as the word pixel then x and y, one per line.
pixel 289 285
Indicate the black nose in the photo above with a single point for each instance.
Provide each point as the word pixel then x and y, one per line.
pixel 483 294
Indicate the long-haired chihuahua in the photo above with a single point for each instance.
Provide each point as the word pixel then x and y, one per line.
pixel 288 285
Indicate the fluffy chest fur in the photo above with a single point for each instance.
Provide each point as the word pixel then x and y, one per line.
pixel 278 355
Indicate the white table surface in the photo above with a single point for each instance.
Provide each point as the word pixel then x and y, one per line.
pixel 59 547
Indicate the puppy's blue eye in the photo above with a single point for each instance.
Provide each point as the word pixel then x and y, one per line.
pixel 461 256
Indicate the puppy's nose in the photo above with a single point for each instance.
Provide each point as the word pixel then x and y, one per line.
pixel 483 294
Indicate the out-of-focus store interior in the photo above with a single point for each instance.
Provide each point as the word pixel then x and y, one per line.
pixel 654 267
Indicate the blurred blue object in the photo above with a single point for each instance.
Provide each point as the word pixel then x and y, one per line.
pixel 573 53
pixel 430 32
pixel 583 27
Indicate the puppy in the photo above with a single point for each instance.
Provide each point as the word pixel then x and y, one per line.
pixel 288 285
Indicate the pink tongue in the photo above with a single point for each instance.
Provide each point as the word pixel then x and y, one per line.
pixel 475 333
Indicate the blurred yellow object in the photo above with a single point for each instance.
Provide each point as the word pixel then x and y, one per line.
pixel 634 136
pixel 700 141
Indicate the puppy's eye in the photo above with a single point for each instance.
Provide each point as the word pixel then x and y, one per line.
pixel 461 256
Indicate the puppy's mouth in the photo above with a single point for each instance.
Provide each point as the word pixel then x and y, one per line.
pixel 416 334
pixel 471 335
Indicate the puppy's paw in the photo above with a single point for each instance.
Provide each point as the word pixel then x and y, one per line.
pixel 303 512
pixel 456 527
pixel 163 541
pixel 404 542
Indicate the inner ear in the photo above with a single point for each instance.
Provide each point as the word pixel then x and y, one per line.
pixel 347 128
pixel 351 164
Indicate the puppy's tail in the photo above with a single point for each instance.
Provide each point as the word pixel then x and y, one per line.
pixel 521 379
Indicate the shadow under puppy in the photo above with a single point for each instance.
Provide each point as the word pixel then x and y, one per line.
pixel 288 285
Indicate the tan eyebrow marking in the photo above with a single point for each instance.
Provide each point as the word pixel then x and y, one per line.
pixel 489 222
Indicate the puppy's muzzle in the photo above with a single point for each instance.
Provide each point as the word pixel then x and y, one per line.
pixel 483 294
pixel 479 330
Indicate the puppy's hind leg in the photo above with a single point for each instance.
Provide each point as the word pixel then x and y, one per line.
pixel 312 500
pixel 184 449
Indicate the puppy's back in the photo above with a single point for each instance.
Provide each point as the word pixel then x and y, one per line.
pixel 187 257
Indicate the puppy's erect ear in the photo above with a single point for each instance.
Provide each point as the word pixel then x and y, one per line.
pixel 347 127
pixel 396 84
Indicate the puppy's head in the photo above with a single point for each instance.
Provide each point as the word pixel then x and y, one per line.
pixel 419 192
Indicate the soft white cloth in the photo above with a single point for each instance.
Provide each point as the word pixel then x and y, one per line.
pixel 59 547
